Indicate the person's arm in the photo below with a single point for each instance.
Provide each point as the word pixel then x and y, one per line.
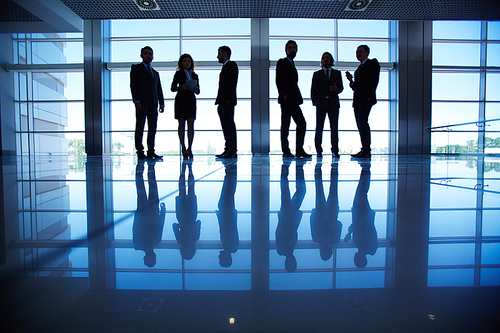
pixel 340 85
pixel 374 71
pixel 175 83
pixel 314 89
pixel 160 95
pixel 281 79
pixel 134 86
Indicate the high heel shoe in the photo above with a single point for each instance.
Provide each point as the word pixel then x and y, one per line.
pixel 185 154
pixel 190 153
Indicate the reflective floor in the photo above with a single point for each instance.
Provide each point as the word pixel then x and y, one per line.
pixel 251 244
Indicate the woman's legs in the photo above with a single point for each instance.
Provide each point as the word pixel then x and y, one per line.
pixel 190 122
pixel 180 132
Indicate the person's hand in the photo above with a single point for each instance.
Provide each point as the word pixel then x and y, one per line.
pixel 185 86
pixel 348 76
pixel 162 108
pixel 197 89
pixel 138 106
pixel 285 97
pixel 333 87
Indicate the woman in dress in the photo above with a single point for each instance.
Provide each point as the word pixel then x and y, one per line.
pixel 186 84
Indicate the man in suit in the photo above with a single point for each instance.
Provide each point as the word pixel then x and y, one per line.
pixel 226 101
pixel 289 98
pixel 325 89
pixel 146 91
pixel 364 83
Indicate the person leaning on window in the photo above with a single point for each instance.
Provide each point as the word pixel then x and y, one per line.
pixel 187 84
pixel 325 89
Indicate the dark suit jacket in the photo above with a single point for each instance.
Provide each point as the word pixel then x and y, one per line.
pixel 144 88
pixel 320 87
pixel 228 79
pixel 184 99
pixel 287 80
pixel 365 82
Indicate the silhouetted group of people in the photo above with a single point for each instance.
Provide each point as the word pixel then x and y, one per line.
pixel 147 96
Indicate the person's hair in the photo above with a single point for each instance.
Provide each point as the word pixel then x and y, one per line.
pixel 290 42
pixel 330 55
pixel 185 55
pixel 367 49
pixel 147 48
pixel 225 49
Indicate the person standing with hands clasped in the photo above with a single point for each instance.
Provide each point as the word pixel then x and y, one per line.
pixel 146 91
pixel 186 83
pixel 290 98
pixel 364 83
pixel 226 101
pixel 325 89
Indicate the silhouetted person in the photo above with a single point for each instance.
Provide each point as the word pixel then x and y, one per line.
pixel 325 89
pixel 187 231
pixel 325 226
pixel 185 101
pixel 364 84
pixel 290 99
pixel 289 216
pixel 362 230
pixel 147 93
pixel 226 101
pixel 149 218
pixel 228 215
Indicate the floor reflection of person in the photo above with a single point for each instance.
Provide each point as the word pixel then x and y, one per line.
pixel 150 214
pixel 228 216
pixel 325 226
pixel 362 230
pixel 289 216
pixel 187 231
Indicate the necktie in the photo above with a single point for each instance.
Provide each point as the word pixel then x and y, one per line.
pixel 150 70
pixel 328 73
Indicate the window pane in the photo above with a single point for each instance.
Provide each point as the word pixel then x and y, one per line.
pixel 494 30
pixel 451 254
pixel 57 52
pixel 455 86
pixel 452 223
pixel 492 87
pixel 493 112
pixel 450 277
pixel 301 27
pixel 456 54
pixel 363 28
pixel 492 55
pixel 456 30
pixel 207 49
pixel 130 51
pixel 455 113
pixel 58 117
pixel 57 86
pixel 379 50
pixel 215 27
pixel 144 28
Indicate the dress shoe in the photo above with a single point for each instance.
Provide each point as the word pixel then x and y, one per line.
pixel 303 154
pixel 141 156
pixel 154 156
pixel 319 155
pixel 336 155
pixel 362 154
pixel 229 155
pixel 221 155
pixel 288 155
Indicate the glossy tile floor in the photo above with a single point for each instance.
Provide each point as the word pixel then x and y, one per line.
pixel 251 244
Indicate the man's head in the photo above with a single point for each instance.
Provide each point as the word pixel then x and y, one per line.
pixel 362 52
pixel 147 54
pixel 291 49
pixel 223 54
pixel 327 60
